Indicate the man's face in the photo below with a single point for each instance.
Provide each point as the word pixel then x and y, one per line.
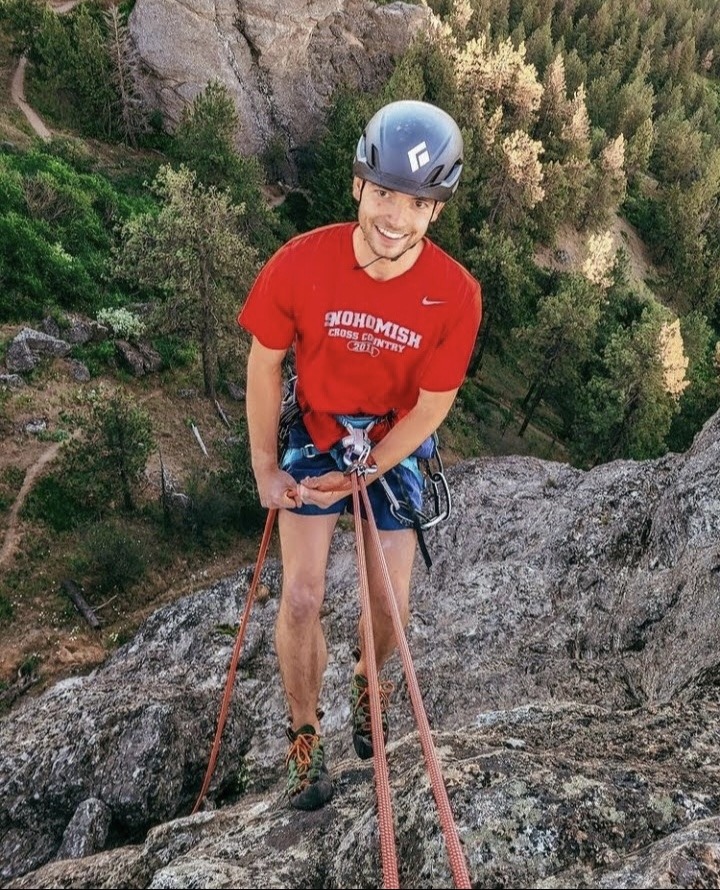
pixel 391 222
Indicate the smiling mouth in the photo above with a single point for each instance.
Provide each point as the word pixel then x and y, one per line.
pixel 390 235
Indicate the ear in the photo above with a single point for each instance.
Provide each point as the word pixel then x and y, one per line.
pixel 357 187
pixel 437 211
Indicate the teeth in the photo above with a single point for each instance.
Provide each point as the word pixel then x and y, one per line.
pixel 389 234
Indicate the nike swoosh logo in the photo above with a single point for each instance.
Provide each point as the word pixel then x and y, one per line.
pixel 426 301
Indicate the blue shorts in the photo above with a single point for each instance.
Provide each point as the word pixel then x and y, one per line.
pixel 302 459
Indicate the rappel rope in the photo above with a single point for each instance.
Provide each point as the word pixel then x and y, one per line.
pixel 230 682
pixel 455 853
pixel 388 853
pixel 357 471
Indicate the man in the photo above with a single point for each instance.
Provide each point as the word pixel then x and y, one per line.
pixel 382 323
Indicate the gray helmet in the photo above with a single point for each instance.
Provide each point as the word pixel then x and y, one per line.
pixel 411 147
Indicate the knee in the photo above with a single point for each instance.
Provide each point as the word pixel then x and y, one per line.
pixel 301 600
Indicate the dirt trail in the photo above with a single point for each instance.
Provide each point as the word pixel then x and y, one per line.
pixel 12 536
pixel 17 87
pixel 17 92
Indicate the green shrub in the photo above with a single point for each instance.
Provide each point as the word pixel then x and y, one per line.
pixel 52 503
pixel 111 558
pixel 211 513
pixel 175 351
pixel 122 322
pixel 96 357
pixel 7 610
pixel 239 478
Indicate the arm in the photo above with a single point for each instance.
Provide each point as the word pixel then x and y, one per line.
pixel 264 392
pixel 425 417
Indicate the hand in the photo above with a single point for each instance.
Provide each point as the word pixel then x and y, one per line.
pixel 277 489
pixel 325 490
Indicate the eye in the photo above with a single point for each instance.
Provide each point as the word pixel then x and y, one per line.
pixel 421 204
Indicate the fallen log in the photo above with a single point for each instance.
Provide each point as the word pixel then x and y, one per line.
pixel 80 603
pixel 196 431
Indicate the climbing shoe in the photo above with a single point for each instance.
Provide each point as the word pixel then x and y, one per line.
pixel 308 782
pixel 360 706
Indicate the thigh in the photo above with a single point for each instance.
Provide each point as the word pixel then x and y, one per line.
pixel 304 545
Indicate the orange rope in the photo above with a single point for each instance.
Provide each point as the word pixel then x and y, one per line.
pixel 235 658
pixel 456 856
pixel 382 781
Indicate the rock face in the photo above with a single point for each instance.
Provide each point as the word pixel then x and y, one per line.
pixel 565 643
pixel 279 59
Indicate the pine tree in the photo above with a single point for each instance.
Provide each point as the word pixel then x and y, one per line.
pixel 103 468
pixel 559 339
pixel 21 21
pixel 90 73
pixel 626 409
pixel 193 252
pixel 517 186
pixel 701 398
pixel 204 141
pixel 639 150
pixel 125 76
pixel 204 136
pixel 607 187
pixel 554 109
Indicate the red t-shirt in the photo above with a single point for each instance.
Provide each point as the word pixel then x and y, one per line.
pixel 363 346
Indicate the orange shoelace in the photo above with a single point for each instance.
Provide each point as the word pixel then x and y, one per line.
pixel 300 752
pixel 363 702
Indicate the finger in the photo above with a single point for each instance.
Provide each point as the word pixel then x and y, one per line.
pixel 318 483
pixel 313 496
pixel 315 485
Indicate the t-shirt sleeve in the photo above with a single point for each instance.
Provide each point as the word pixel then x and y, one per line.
pixel 268 311
pixel 449 362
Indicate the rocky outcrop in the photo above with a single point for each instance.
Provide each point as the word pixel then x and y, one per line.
pixel 566 646
pixel 29 346
pixel 279 59
pixel 139 358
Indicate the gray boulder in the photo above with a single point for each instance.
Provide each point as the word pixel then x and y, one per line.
pixel 87 831
pixel 140 358
pixel 29 346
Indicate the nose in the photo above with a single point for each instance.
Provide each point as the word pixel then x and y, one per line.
pixel 395 210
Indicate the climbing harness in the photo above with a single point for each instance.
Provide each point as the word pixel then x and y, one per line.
pixel 437 501
pixel 357 446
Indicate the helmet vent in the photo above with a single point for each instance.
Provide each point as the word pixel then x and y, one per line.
pixel 434 175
